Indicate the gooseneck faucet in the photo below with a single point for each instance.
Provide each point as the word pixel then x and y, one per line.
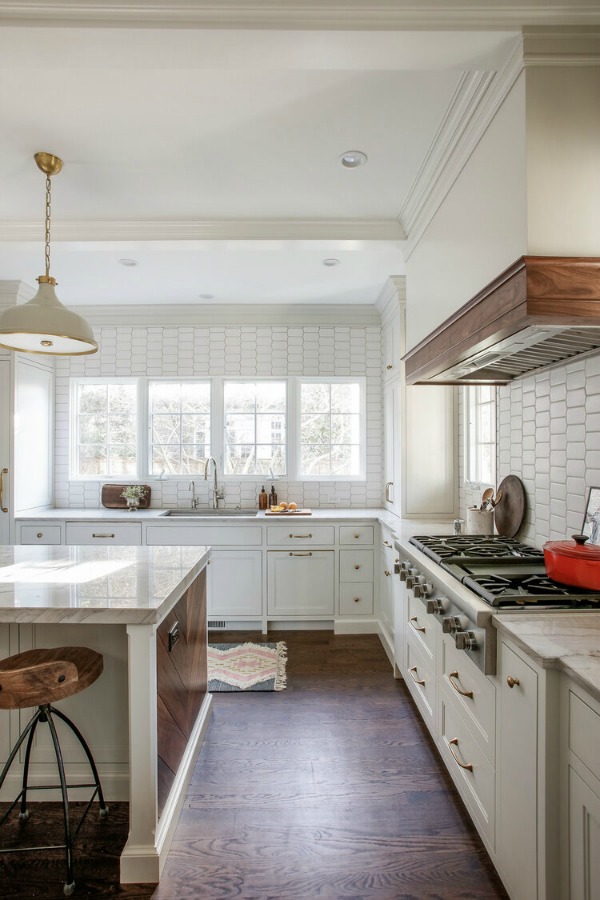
pixel 194 500
pixel 216 492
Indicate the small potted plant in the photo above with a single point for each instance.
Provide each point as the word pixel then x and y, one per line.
pixel 133 493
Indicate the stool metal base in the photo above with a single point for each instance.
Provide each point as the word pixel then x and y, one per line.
pixel 45 714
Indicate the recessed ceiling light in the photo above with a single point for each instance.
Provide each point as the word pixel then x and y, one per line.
pixel 351 159
pixel 128 262
pixel 331 262
pixel 206 296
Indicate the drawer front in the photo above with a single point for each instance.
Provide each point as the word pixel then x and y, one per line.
pixel 297 534
pixel 420 678
pixel 356 534
pixel 421 625
pixel 204 535
pixel 300 583
pixel 356 599
pixel 474 694
pixel 470 769
pixel 40 534
pixel 103 533
pixel 584 733
pixel 356 565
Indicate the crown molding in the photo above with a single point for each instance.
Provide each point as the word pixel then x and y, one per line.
pixel 561 46
pixel 477 99
pixel 172 315
pixel 392 295
pixel 294 14
pixel 206 230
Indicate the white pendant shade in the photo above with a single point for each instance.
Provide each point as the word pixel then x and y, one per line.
pixel 44 325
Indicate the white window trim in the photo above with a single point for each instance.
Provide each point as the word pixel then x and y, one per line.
pixel 144 419
pixel 219 443
pixel 468 406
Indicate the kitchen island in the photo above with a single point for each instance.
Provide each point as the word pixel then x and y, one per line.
pixel 144 609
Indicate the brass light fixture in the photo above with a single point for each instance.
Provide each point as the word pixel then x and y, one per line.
pixel 44 325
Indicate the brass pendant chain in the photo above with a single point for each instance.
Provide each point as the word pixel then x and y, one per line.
pixel 47 233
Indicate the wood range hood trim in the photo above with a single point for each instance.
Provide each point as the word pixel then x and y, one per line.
pixel 541 311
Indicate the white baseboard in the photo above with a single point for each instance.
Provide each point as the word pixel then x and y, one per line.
pixel 356 626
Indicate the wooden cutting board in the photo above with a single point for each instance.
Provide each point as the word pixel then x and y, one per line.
pixel 290 512
pixel 509 513
pixel 111 497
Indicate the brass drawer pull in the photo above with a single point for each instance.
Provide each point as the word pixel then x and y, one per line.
pixel 301 554
pixel 512 681
pixel 469 694
pixel 300 535
pixel 468 766
pixel 388 485
pixel 386 544
pixel 412 621
pixel 412 675
pixel 389 366
pixel 2 506
pixel 99 535
pixel 387 573
pixel 40 534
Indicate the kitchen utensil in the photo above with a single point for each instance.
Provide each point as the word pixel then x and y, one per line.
pixel 510 509
pixel 110 497
pixel 573 563
pixel 496 500
pixel 486 498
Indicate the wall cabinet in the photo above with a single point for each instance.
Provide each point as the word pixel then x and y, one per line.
pixel 300 582
pixel 235 583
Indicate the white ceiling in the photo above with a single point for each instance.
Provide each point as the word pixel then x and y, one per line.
pixel 211 157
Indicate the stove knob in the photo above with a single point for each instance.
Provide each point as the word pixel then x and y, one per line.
pixel 423 589
pixel 404 570
pixel 434 607
pixel 412 578
pixel 451 624
pixel 465 640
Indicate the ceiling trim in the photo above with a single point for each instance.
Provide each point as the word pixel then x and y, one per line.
pixel 172 315
pixel 295 14
pixel 216 229
pixel 561 47
pixel 472 109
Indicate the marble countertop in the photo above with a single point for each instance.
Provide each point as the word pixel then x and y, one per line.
pixel 562 640
pixel 97 585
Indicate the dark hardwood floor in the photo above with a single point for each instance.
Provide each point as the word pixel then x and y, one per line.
pixel 330 789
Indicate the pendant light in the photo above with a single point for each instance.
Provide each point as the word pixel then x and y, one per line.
pixel 44 325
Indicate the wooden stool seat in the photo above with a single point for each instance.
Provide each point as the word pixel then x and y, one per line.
pixel 37 677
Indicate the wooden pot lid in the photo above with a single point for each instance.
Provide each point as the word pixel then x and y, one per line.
pixel 509 512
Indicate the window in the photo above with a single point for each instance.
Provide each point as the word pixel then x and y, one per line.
pixel 331 429
pixel 480 434
pixel 179 426
pixel 105 429
pixel 254 416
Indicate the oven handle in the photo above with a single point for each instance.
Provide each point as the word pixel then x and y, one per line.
pixel 452 675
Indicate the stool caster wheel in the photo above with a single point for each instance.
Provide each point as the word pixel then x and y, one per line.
pixel 103 812
pixel 69 889
pixel 23 816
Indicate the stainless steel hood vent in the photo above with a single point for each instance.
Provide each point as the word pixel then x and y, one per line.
pixel 540 312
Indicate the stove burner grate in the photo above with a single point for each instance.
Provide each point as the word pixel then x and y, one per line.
pixel 473 546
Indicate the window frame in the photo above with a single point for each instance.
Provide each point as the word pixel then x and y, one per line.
pixel 220 446
pixel 147 449
pixel 471 405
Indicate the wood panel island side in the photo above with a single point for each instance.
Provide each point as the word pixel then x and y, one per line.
pixel 144 609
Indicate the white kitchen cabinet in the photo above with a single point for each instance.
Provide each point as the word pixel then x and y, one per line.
pixel 5 453
pixel 300 582
pixel 300 534
pixel 387 556
pixel 356 534
pixel 393 400
pixel 222 534
pixel 356 599
pixel 40 533
pixel 33 435
pixel 584 839
pixel 234 583
pixel 102 532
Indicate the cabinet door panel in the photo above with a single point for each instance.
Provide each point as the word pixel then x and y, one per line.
pixel 235 583
pixel 301 582
pixel 356 565
pixel 584 840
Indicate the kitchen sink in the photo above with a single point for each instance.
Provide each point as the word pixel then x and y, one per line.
pixel 205 513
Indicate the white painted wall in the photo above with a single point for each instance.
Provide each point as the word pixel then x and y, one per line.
pixel 243 351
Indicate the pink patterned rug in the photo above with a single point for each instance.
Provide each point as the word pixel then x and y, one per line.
pixel 247 667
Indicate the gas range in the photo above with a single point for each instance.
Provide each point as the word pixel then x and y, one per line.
pixel 465 580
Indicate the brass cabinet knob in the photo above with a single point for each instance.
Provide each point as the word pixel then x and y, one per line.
pixel 40 534
pixel 512 681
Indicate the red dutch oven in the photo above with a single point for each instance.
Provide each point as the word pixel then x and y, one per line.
pixel 572 563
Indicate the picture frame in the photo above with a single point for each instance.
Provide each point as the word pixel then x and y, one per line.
pixel 591 517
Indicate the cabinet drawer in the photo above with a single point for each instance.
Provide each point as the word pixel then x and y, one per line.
pixel 40 534
pixel 471 771
pixel 204 535
pixel 474 694
pixel 584 733
pixel 103 533
pixel 300 582
pixel 356 599
pixel 421 625
pixel 296 534
pixel 420 679
pixel 356 534
pixel 356 565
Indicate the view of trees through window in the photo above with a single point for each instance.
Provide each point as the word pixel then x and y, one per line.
pixel 480 454
pixel 330 428
pixel 106 429
pixel 179 427
pixel 255 427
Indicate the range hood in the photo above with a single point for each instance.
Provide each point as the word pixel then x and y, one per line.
pixel 541 311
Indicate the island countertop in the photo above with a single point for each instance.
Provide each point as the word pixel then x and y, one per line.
pixel 99 585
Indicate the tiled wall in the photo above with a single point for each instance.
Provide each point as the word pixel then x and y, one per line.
pixel 549 435
pixel 243 351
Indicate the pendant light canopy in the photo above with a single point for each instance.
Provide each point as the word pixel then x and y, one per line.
pixel 44 325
